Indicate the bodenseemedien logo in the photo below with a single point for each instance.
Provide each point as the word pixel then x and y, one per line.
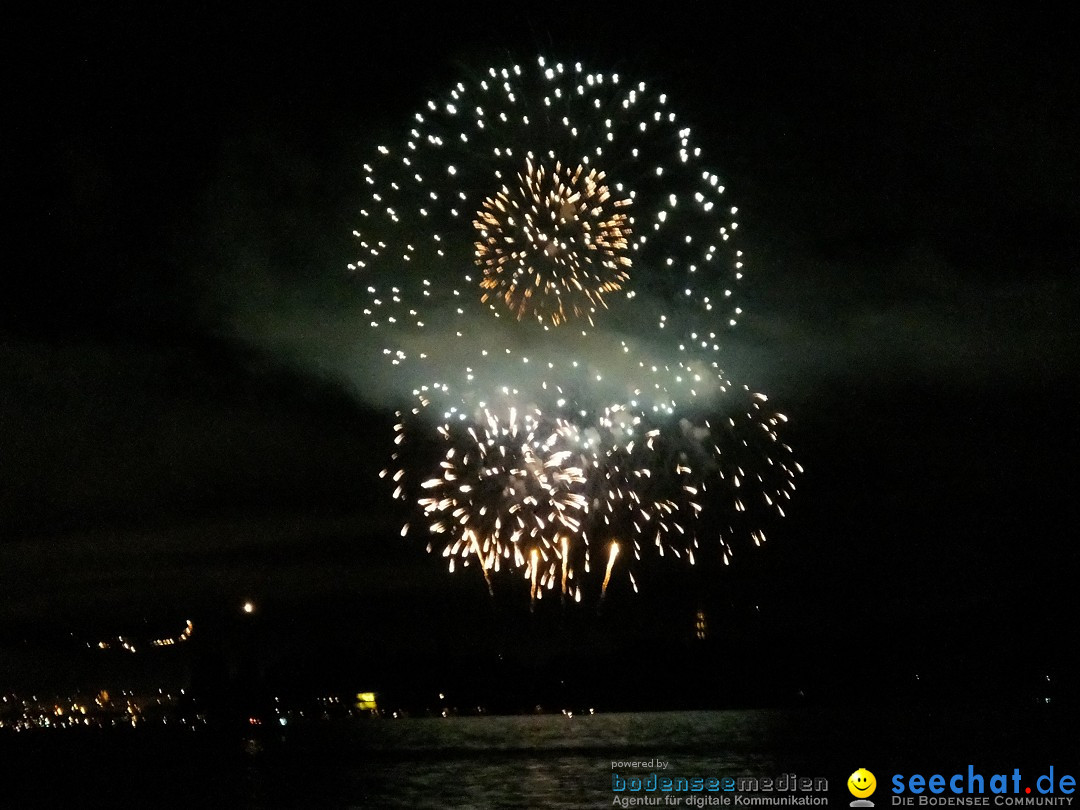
pixel 653 788
pixel 862 785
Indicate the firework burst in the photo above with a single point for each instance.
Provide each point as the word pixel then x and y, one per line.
pixel 544 194
pixel 550 269
pixel 554 246
pixel 507 494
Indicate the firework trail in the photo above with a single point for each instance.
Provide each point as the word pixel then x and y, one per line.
pixel 549 269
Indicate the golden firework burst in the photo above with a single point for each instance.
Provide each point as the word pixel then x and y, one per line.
pixel 554 245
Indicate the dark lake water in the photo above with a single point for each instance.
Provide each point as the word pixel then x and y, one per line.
pixel 543 761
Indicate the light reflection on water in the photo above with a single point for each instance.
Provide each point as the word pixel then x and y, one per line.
pixel 667 730
pixel 550 760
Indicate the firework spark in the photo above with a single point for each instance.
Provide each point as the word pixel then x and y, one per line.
pixel 610 564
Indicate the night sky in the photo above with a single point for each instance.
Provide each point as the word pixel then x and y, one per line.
pixel 184 423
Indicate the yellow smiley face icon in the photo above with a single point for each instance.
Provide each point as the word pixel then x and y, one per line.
pixel 861 783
